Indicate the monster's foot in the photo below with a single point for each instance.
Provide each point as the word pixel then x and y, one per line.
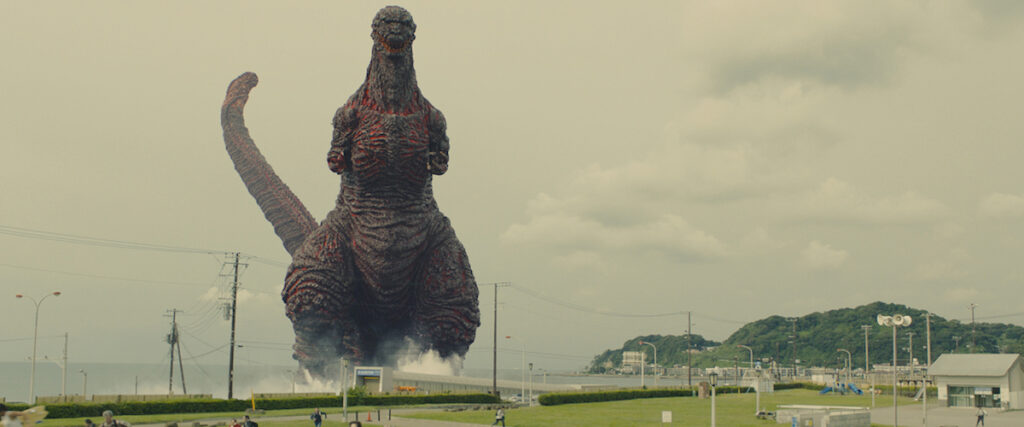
pixel 448 314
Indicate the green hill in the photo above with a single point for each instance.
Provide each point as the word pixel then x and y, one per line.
pixel 671 351
pixel 819 335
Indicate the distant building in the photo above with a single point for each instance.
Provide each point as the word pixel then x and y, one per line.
pixel 631 361
pixel 987 380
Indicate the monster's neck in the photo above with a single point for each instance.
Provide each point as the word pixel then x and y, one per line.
pixel 391 80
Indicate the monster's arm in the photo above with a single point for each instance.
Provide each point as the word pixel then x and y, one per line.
pixel 345 122
pixel 437 156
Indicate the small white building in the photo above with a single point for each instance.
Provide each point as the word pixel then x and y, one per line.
pixel 988 380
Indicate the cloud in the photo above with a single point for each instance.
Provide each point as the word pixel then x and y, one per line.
pixel 1000 205
pixel 819 256
pixel 839 201
pixel 844 45
pixel 566 231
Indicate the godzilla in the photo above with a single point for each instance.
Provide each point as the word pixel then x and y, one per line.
pixel 384 270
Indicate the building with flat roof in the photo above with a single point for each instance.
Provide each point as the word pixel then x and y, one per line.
pixel 986 380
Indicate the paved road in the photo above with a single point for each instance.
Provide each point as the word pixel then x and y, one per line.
pixel 910 415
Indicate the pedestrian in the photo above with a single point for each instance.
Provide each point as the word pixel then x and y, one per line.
pixel 9 418
pixel 109 421
pixel 89 423
pixel 318 417
pixel 499 416
pixel 981 417
pixel 249 423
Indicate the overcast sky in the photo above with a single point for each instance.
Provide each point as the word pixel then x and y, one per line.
pixel 734 159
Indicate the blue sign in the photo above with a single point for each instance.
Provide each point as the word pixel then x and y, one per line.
pixel 367 372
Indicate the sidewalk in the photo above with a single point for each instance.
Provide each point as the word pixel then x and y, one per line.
pixel 910 415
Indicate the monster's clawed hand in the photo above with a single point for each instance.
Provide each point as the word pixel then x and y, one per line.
pixel 336 160
pixel 437 162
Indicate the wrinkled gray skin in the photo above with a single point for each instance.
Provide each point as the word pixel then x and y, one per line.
pixel 384 269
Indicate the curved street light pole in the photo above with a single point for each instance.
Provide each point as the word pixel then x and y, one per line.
pixel 848 362
pixel 522 392
pixel 655 362
pixel 35 340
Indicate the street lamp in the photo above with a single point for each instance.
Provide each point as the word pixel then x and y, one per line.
pixel 655 365
pixel 895 321
pixel 35 339
pixel 531 384
pixel 848 362
pixel 713 378
pixel 85 381
pixel 522 392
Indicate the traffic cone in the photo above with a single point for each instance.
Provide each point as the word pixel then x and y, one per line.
pixel 368 416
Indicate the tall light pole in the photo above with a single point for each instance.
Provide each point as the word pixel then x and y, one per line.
pixel 531 384
pixel 655 362
pixel 849 360
pixel 751 354
pixel 867 361
pixel 35 339
pixel 974 330
pixel 895 321
pixel 85 381
pixel 713 379
pixel 523 342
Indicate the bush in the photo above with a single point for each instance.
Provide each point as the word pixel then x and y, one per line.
pixel 606 396
pixel 77 410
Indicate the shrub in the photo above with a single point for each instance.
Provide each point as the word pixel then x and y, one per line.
pixel 77 410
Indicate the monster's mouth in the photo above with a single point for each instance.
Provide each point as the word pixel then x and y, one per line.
pixel 395 46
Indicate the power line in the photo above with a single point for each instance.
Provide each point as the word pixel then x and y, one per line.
pixel 97 241
pixel 97 276
pixel 119 244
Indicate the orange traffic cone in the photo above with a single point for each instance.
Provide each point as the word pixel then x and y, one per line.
pixel 368 416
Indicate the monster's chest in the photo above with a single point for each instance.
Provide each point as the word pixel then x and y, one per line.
pixel 390 149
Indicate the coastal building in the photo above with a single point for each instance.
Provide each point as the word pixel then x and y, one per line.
pixel 986 380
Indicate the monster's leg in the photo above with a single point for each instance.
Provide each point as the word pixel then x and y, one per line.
pixel 319 295
pixel 447 312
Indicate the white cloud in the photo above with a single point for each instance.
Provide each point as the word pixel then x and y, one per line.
pixel 836 200
pixel 1000 205
pixel 668 234
pixel 819 256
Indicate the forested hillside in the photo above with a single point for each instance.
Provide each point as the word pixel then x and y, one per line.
pixel 820 335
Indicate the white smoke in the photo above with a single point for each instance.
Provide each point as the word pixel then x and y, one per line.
pixel 429 362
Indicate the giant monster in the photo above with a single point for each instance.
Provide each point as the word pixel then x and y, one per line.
pixel 384 270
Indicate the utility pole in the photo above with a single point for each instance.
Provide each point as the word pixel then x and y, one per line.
pixel 910 349
pixel 494 366
pixel 689 352
pixel 974 330
pixel 793 320
pixel 172 339
pixel 928 366
pixel 234 311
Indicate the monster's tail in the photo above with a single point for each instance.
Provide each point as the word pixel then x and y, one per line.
pixel 291 221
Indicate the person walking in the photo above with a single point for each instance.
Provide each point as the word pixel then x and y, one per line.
pixel 109 421
pixel 246 422
pixel 981 417
pixel 499 416
pixel 318 417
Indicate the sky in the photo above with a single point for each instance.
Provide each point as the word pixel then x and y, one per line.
pixel 618 163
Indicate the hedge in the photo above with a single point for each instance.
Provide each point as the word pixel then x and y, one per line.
pixel 77 410
pixel 606 396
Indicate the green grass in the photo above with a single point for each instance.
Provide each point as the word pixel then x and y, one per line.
pixel 734 410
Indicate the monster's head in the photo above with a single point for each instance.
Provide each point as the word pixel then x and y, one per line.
pixel 393 32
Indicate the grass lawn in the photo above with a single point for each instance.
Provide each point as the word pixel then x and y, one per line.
pixel 733 410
